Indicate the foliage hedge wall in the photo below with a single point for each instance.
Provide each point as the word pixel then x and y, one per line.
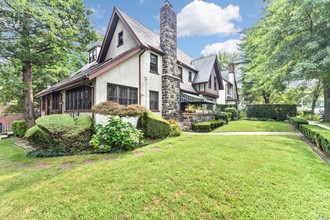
pixel 153 126
pixel 318 135
pixel 271 111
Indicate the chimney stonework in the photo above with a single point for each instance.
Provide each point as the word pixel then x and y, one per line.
pixel 170 77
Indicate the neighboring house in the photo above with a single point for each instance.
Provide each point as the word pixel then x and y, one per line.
pixel 136 66
pixel 229 95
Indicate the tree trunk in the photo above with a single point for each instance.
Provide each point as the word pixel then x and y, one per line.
pixel 316 94
pixel 28 94
pixel 326 101
pixel 266 97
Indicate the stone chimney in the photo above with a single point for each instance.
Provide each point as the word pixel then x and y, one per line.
pixel 170 75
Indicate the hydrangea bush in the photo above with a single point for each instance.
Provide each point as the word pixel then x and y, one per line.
pixel 116 135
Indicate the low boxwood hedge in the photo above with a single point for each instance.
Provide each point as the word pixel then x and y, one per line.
pixel 153 126
pixel 319 135
pixel 296 122
pixel 206 126
pixel 19 128
pixel 222 116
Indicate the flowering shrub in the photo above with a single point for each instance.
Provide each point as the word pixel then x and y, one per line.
pixel 116 135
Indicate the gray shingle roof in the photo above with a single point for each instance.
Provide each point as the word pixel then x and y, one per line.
pixel 204 66
pixel 188 88
pixel 150 39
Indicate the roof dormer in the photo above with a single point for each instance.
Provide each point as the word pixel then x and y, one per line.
pixel 93 53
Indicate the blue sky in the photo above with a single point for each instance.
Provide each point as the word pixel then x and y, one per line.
pixel 204 27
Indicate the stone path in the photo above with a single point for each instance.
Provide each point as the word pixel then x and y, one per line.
pixel 246 133
pixel 317 124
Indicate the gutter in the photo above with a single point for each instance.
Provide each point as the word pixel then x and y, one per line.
pixel 140 74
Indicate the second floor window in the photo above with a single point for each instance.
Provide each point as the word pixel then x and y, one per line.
pixel 120 38
pixel 210 83
pixel 180 72
pixel 153 63
pixel 215 83
pixel 190 76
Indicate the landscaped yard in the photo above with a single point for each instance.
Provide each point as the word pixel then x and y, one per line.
pixel 255 126
pixel 188 177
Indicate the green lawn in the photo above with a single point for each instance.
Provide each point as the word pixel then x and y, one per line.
pixel 327 124
pixel 255 126
pixel 188 177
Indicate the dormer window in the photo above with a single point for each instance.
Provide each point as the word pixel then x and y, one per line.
pixel 190 76
pixel 120 38
pixel 92 55
pixel 215 83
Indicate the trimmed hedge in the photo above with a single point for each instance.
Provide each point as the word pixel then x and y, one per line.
pixel 319 135
pixel 56 124
pixel 153 126
pixel 38 138
pixel 271 111
pixel 296 122
pixel 113 108
pixel 61 133
pixel 222 107
pixel 222 116
pixel 19 128
pixel 206 126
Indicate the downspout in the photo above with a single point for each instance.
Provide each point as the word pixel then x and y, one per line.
pixel 140 74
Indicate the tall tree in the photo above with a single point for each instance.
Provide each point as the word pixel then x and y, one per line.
pixel 38 34
pixel 291 42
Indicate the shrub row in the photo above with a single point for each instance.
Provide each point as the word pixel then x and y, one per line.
pixel 271 111
pixel 206 126
pixel 222 107
pixel 318 135
pixel 232 112
pixel 19 128
pixel 296 122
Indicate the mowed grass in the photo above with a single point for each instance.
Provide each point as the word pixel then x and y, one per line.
pixel 255 126
pixel 188 177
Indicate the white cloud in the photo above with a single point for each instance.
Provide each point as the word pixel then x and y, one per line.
pixel 203 18
pixel 98 12
pixel 141 1
pixel 101 30
pixel 229 46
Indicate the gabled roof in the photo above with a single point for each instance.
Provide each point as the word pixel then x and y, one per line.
pixel 204 66
pixel 143 36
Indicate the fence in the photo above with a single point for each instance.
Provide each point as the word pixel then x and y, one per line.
pixel 6 120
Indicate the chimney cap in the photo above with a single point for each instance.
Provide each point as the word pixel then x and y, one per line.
pixel 166 2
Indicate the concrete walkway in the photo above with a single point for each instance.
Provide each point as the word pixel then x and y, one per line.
pixel 320 125
pixel 246 133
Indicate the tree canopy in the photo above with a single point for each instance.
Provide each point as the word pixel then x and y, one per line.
pixel 38 40
pixel 289 43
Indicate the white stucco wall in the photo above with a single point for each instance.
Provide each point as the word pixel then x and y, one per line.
pixel 125 74
pixel 185 75
pixel 129 43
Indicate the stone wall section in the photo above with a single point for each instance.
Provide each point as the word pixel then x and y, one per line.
pixel 170 78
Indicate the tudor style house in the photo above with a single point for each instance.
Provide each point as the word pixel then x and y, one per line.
pixel 229 95
pixel 136 66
